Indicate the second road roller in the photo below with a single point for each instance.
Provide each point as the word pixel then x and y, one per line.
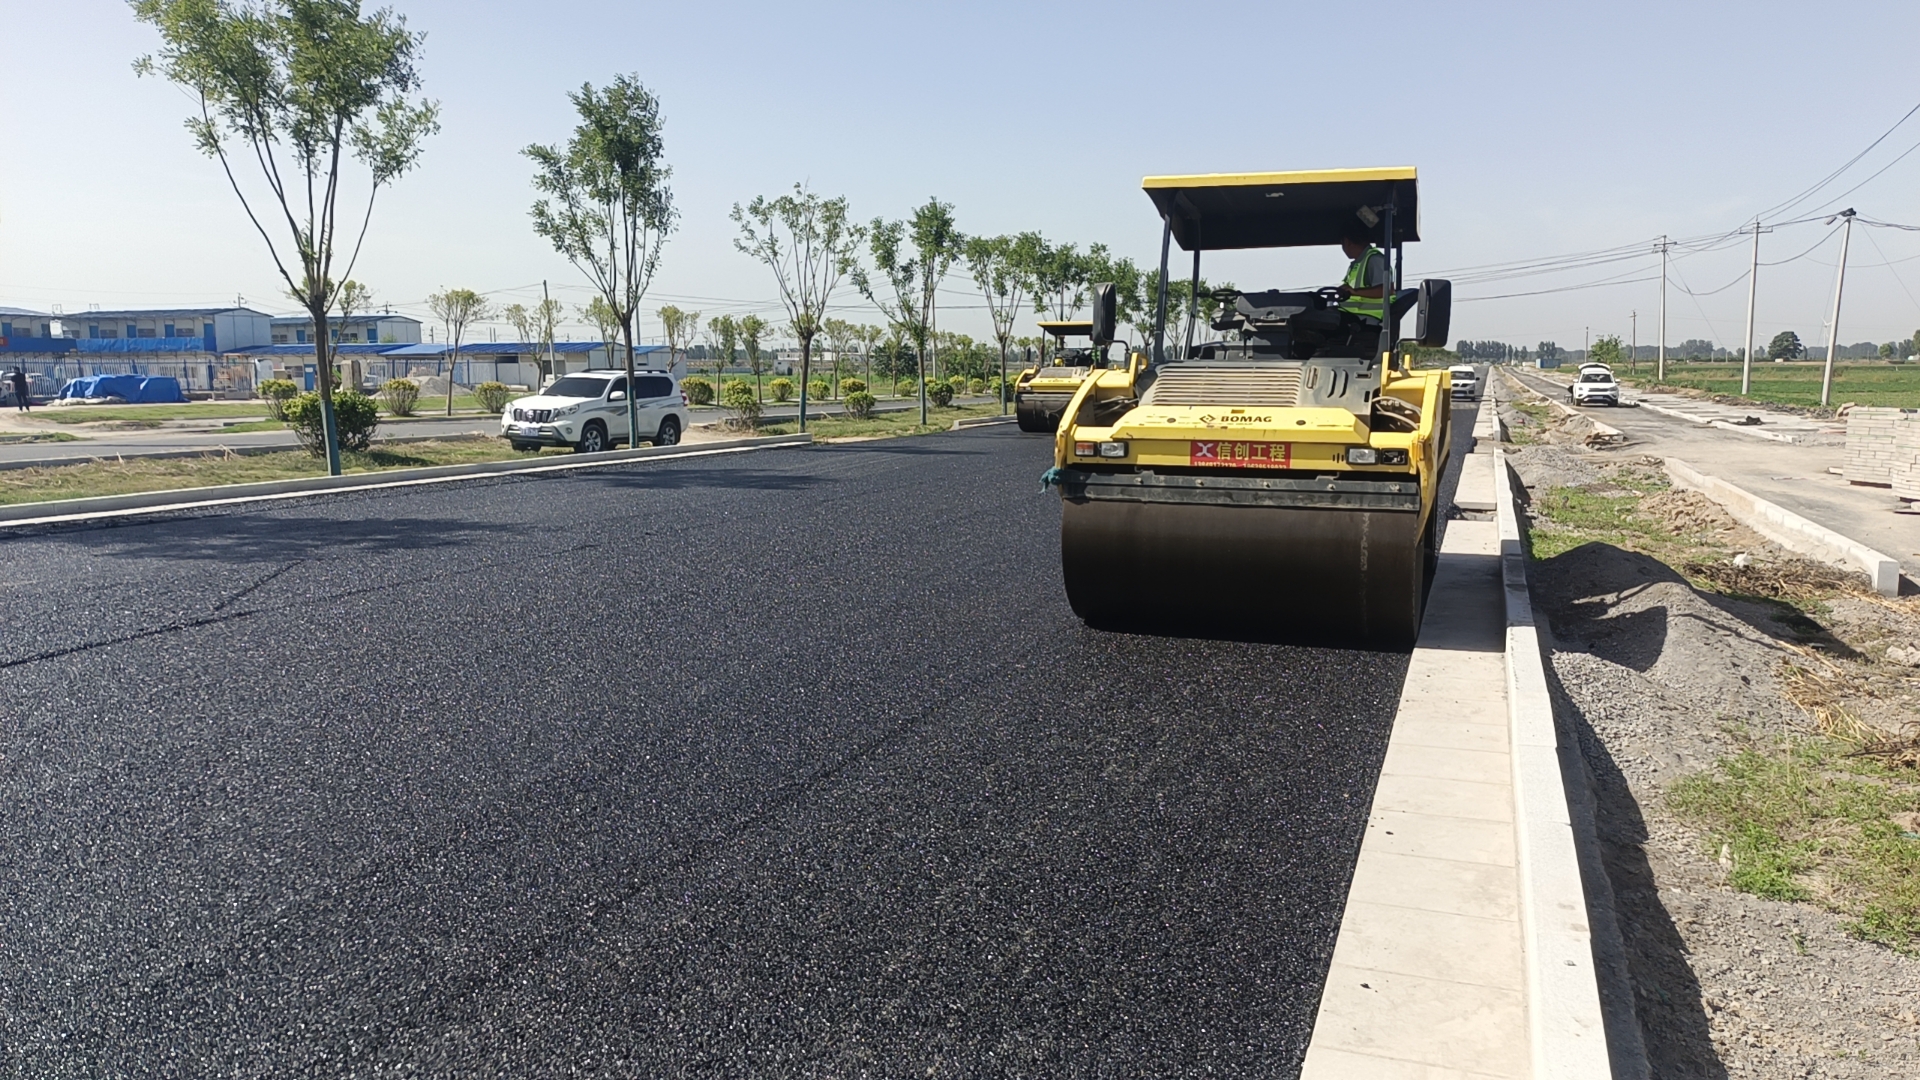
pixel 1042 392
pixel 1280 476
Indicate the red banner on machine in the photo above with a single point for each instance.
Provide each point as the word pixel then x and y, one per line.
pixel 1241 455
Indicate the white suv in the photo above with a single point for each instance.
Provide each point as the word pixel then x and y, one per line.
pixel 587 410
pixel 1594 385
pixel 1466 381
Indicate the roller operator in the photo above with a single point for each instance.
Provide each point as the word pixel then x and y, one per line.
pixel 1362 294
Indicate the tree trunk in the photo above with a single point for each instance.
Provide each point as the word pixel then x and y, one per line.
pixel 633 413
pixel 323 374
pixel 920 368
pixel 806 366
pixel 453 358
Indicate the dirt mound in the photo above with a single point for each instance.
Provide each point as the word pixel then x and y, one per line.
pixel 1543 466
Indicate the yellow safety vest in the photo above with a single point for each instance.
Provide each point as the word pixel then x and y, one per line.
pixel 1372 308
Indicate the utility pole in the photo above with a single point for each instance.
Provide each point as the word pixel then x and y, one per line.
pixel 546 314
pixel 1660 373
pixel 1586 348
pixel 1633 354
pixel 1833 327
pixel 1753 281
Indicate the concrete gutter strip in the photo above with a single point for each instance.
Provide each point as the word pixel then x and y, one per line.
pixel 1566 1026
pixel 981 421
pixel 1790 530
pixel 73 510
pixel 1695 418
pixel 105 454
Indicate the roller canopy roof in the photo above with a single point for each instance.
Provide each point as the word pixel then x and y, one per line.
pixel 1067 329
pixel 1222 211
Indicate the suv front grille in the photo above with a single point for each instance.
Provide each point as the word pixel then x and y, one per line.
pixel 537 416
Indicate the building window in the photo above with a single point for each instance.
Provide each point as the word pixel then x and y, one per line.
pixel 279 339
pixel 300 336
pixel 146 333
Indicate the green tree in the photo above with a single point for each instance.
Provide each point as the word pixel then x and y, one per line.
pixel 606 203
pixel 605 323
pixel 457 309
pixel 913 276
pixel 809 245
pixel 1608 350
pixel 1785 346
pixel 843 338
pixel 1005 269
pixel 537 326
pixel 753 330
pixel 723 337
pixel 679 327
pixel 305 87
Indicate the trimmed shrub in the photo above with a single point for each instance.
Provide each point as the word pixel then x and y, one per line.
pixel 493 396
pixel 276 393
pixel 958 383
pixel 699 391
pixel 820 389
pixel 860 404
pixel 400 396
pixel 941 394
pixel 852 386
pixel 355 417
pixel 976 386
pixel 906 388
pixel 739 399
pixel 781 389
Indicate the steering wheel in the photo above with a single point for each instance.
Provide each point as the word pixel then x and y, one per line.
pixel 1328 293
pixel 1225 296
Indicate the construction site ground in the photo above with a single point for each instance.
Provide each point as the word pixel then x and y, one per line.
pixel 1689 681
pixel 1801 476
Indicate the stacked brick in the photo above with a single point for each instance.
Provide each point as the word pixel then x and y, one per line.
pixel 1906 457
pixel 1880 443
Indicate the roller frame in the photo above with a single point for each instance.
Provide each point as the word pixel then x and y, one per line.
pixel 1040 412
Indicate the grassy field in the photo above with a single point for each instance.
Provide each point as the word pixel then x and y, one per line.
pixel 16 437
pixel 1798 382
pixel 885 424
pixel 215 410
pixel 125 476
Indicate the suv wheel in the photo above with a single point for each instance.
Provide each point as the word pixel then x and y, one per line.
pixel 593 438
pixel 669 434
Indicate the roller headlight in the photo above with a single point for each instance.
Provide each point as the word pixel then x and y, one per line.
pixel 1362 455
pixel 1100 449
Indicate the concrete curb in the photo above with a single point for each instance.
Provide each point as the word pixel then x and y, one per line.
pixel 1790 530
pixel 1567 1030
pixel 210 451
pixel 104 506
pixel 982 421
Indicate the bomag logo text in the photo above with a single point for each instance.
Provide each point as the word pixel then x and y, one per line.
pixel 1239 419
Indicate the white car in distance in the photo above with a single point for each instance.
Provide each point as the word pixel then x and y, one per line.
pixel 1466 381
pixel 1594 385
pixel 587 411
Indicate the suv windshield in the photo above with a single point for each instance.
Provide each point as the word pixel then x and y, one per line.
pixel 577 386
pixel 1596 376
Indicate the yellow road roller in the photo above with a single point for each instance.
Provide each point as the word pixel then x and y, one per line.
pixel 1041 393
pixel 1279 476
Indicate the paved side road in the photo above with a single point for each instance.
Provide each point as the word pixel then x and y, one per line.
pixel 786 764
pixel 1798 476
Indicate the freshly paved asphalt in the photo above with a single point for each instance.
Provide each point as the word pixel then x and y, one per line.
pixel 792 763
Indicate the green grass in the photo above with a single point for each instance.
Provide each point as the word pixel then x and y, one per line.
pixel 1798 382
pixel 199 410
pixel 1571 517
pixel 11 438
pixel 252 425
pixel 121 477
pixel 885 424
pixel 1809 821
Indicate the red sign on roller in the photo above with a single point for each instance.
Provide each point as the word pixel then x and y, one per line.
pixel 1241 455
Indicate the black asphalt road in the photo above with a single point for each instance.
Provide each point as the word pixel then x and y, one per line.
pixel 792 763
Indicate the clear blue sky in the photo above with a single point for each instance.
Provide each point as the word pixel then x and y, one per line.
pixel 1538 129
